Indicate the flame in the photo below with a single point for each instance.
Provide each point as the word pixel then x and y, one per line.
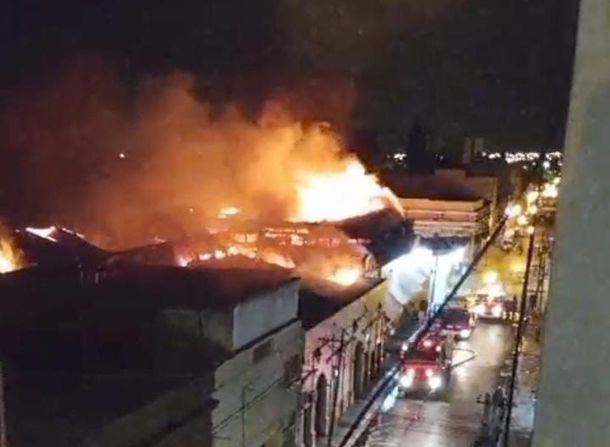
pixel 228 211
pixel 272 257
pixel 310 251
pixel 340 194
pixel 346 276
pixel 11 258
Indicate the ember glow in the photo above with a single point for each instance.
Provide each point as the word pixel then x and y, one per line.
pixel 339 194
pixel 228 211
pixel 346 276
pixel 310 250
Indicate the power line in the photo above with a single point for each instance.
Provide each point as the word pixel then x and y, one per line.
pixel 390 375
pixel 518 339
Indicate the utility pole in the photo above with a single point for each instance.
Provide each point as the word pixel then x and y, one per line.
pixel 337 382
pixel 518 339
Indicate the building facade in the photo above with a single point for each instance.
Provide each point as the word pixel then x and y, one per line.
pixel 468 219
pixel 344 353
pixel 151 357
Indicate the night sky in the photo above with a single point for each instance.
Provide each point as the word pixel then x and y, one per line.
pixel 492 68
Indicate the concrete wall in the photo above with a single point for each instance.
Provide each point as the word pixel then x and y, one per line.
pixel 234 328
pixel 178 418
pixel 261 314
pixel 257 399
pixel 574 394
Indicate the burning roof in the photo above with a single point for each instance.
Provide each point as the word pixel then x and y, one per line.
pixel 49 318
pixel 166 170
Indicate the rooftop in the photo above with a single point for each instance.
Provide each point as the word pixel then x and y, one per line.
pixel 120 322
pixel 152 286
pixel 445 185
pixel 320 299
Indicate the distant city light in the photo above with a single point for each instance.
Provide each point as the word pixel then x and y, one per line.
pixel 122 155
pixel 511 157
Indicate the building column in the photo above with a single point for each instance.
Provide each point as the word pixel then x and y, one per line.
pixel 574 395
pixel 307 420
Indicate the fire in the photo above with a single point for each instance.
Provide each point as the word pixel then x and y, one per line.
pixel 272 257
pixel 346 276
pixel 11 258
pixel 339 194
pixel 310 250
pixel 228 211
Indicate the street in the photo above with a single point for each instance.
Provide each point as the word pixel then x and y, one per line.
pixel 454 422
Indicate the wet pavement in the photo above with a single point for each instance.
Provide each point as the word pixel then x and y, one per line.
pixel 455 420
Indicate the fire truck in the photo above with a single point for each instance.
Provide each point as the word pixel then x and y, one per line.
pixel 426 368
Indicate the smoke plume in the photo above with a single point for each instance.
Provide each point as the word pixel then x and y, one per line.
pixel 125 167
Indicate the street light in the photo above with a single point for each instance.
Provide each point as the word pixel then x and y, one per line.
pixel 530 230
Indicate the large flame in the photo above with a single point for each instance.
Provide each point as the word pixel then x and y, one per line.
pixel 339 194
pixel 11 258
pixel 166 171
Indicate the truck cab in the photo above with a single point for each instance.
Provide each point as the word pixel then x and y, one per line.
pixel 457 322
pixel 424 370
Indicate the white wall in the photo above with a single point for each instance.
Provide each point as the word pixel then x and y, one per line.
pixel 257 316
pixel 271 403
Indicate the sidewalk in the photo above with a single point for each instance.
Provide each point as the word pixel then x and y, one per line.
pixel 522 424
pixel 408 326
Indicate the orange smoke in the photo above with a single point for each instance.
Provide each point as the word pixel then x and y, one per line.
pixel 161 164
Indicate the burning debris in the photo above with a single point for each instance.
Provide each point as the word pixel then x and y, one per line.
pixel 167 166
pixel 310 250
